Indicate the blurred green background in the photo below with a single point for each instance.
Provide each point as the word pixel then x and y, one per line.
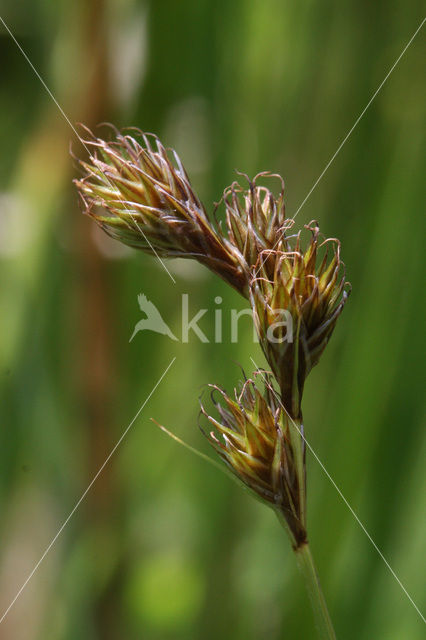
pixel 165 546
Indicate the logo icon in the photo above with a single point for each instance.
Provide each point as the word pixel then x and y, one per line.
pixel 153 320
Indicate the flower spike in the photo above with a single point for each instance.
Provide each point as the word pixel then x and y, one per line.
pixel 296 298
pixel 263 447
pixel 138 192
pixel 254 218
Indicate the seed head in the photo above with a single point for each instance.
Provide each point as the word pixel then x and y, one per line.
pixel 139 193
pixel 256 439
pixel 254 218
pixel 297 297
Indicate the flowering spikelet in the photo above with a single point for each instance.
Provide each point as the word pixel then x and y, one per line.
pixel 263 448
pixel 306 290
pixel 254 218
pixel 139 193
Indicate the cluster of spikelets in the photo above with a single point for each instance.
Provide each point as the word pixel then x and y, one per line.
pixel 140 194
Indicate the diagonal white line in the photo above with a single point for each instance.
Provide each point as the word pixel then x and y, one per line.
pixel 347 503
pixel 357 121
pixel 345 139
pixel 80 500
pixel 79 138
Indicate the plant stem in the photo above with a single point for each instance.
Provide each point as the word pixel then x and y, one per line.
pixel 316 596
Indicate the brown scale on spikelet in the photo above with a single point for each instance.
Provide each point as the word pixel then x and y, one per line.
pixel 296 297
pixel 264 448
pixel 139 193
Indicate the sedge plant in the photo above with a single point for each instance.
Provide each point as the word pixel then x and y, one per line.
pixel 138 192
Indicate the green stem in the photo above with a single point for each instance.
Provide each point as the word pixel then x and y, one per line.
pixel 295 428
pixel 316 596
